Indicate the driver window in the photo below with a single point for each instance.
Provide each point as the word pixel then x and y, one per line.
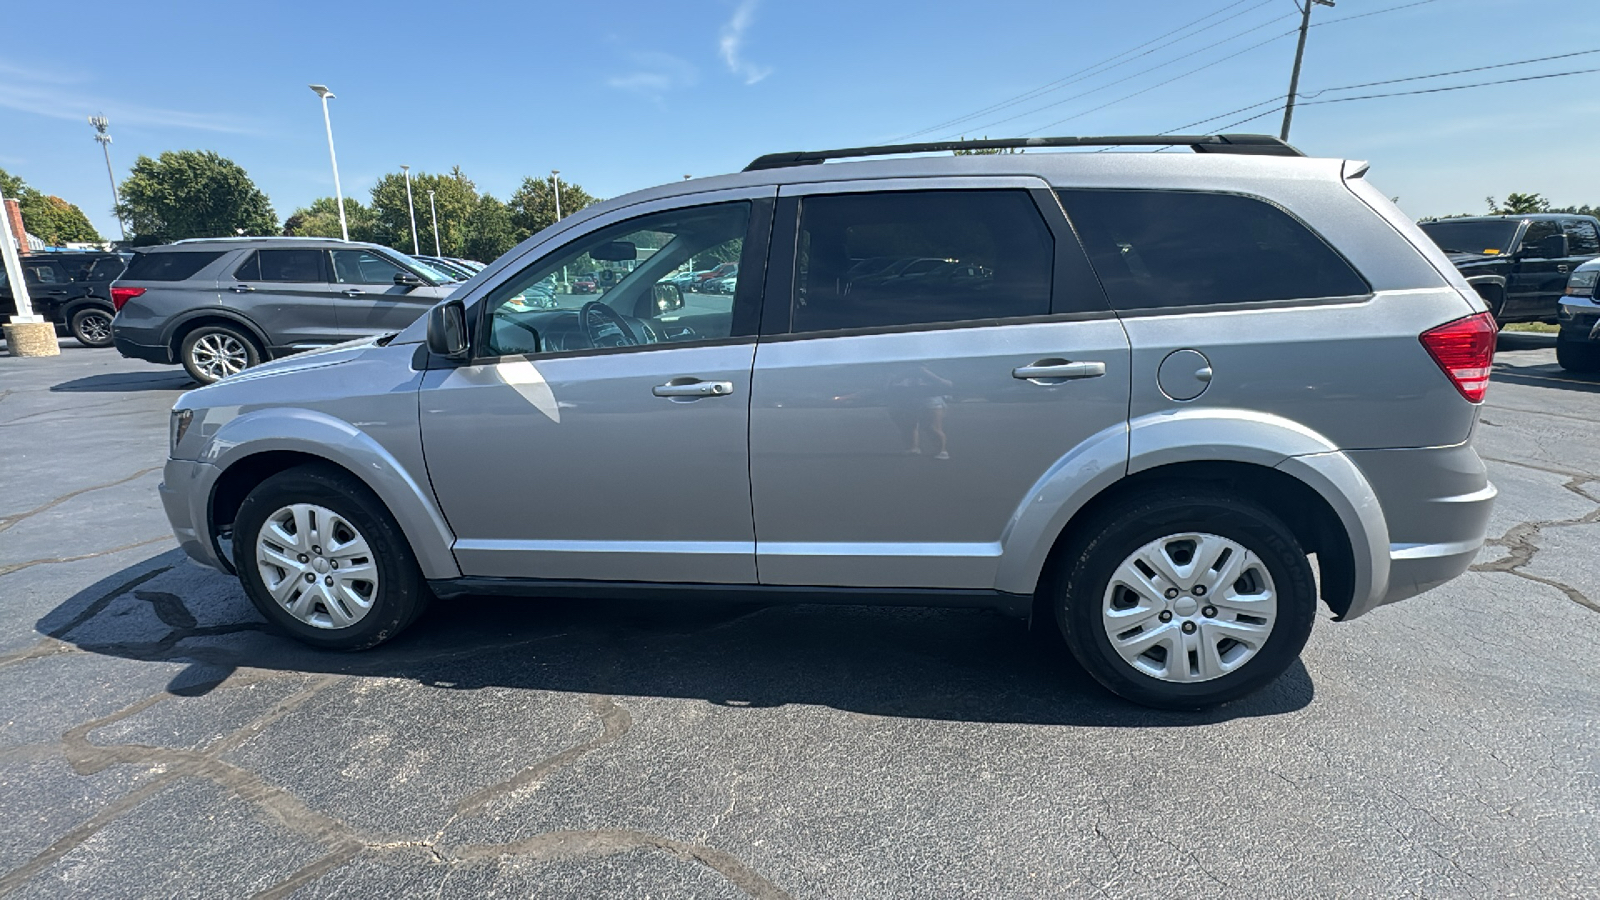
pixel 668 277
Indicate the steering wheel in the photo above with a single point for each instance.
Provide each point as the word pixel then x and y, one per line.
pixel 593 310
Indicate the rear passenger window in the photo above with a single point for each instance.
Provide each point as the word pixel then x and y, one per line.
pixel 363 267
pixel 1162 249
pixel 913 258
pixel 1581 238
pixel 173 265
pixel 290 265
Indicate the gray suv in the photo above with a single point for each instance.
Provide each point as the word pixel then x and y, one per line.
pixel 221 305
pixel 1143 391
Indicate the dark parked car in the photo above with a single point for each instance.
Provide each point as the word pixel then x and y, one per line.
pixel 1519 264
pixel 1578 343
pixel 71 289
pixel 220 305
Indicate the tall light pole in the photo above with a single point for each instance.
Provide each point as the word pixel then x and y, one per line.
pixel 434 210
pixel 338 194
pixel 415 248
pixel 1299 53
pixel 100 125
pixel 555 180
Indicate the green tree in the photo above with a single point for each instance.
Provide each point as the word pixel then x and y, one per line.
pixel 1518 204
pixel 533 206
pixel 455 196
pixel 192 193
pixel 49 218
pixel 490 231
pixel 321 219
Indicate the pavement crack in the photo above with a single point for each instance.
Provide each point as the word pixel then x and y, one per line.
pixel 41 648
pixel 8 521
pixel 1520 542
pixel 615 721
pixel 52 560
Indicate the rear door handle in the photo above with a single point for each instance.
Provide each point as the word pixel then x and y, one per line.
pixel 241 289
pixel 1050 368
pixel 352 292
pixel 1563 268
pixel 677 388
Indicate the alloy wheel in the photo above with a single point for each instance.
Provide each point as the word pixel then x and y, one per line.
pixel 95 327
pixel 219 355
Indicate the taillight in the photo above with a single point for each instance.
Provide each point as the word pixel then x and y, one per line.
pixel 1464 349
pixel 121 295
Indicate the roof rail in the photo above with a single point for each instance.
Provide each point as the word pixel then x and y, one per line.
pixel 1250 144
pixel 264 237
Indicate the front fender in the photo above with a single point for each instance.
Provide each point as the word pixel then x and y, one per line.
pixel 339 442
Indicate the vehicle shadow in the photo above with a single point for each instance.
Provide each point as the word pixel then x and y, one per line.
pixel 1524 340
pixel 126 382
pixel 944 664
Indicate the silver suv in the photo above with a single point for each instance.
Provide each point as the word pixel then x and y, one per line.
pixel 1139 391
pixel 221 305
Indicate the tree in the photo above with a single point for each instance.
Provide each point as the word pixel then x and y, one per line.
pixel 533 206
pixel 190 194
pixel 1518 204
pixel 321 219
pixel 455 196
pixel 49 218
pixel 490 231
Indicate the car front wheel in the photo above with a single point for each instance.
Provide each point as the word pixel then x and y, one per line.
pixel 211 353
pixel 91 326
pixel 323 560
pixel 1186 599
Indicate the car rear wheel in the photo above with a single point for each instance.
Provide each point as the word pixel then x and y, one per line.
pixel 1578 356
pixel 211 353
pixel 91 326
pixel 1186 599
pixel 322 559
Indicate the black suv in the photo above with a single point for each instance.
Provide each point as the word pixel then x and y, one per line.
pixel 71 289
pixel 1519 264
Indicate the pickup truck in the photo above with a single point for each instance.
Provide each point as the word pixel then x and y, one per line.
pixel 71 289
pixel 1518 263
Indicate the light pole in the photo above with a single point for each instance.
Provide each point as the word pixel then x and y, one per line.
pixel 434 210
pixel 1299 53
pixel 338 195
pixel 555 180
pixel 100 125
pixel 415 248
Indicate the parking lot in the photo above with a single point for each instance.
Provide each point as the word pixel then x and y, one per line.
pixel 156 740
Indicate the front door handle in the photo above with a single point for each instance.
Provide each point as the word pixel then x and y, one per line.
pixel 352 292
pixel 1059 369
pixel 241 289
pixel 693 388
pixel 1563 268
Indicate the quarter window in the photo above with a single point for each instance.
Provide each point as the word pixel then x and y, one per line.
pixel 1581 238
pixel 170 265
pixel 1162 249
pixel 923 257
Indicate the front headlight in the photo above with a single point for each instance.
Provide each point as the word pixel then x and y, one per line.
pixel 181 418
pixel 1582 283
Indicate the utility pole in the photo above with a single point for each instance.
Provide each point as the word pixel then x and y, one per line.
pixel 1299 54
pixel 100 128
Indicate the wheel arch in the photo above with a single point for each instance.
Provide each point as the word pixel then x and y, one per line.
pixel 188 322
pixel 260 445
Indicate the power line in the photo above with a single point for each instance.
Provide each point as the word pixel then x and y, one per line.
pixel 1103 66
pixel 1457 87
pixel 1522 62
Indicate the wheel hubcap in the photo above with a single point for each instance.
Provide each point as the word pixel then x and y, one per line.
pixel 219 355
pixel 95 328
pixel 1156 625
pixel 317 566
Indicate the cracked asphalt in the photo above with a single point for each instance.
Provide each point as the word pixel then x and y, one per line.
pixel 156 740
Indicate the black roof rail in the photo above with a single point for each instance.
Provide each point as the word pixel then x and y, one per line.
pixel 1250 144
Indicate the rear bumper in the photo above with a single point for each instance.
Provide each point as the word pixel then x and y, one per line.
pixel 186 495
pixel 131 350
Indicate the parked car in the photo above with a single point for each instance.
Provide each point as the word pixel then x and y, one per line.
pixel 720 285
pixel 721 271
pixel 471 264
pixel 71 289
pixel 448 266
pixel 1518 263
pixel 1138 439
pixel 221 305
pixel 1578 342
pixel 585 285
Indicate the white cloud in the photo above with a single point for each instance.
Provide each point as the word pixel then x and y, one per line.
pixel 55 102
pixel 732 44
pixel 655 74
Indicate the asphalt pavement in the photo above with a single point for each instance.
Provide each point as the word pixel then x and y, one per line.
pixel 156 740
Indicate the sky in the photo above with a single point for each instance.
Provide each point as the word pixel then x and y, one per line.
pixel 624 95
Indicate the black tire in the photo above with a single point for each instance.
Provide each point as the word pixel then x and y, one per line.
pixel 200 348
pixel 400 594
pixel 1578 356
pixel 91 325
pixel 1117 533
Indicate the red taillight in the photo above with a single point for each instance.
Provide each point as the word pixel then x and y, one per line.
pixel 1464 349
pixel 120 296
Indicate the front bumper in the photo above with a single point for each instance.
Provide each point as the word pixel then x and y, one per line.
pixel 186 495
pixel 1579 318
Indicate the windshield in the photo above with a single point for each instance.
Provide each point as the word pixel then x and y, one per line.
pixel 433 273
pixel 1490 238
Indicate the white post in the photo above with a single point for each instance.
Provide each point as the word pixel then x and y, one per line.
pixel 416 249
pixel 338 195
pixel 19 285
pixel 435 211
pixel 555 179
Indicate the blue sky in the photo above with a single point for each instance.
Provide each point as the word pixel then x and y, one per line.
pixel 624 95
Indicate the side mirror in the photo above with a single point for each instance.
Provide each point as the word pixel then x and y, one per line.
pixel 447 330
pixel 406 279
pixel 1552 246
pixel 666 298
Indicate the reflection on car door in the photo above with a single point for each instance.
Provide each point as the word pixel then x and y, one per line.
pixel 368 300
pixel 286 293
pixel 892 435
